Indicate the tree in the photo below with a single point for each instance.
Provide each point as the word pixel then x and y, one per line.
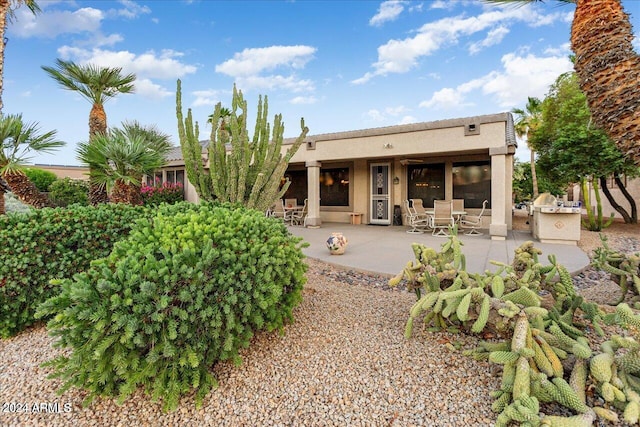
pixel 527 121
pixel 17 140
pixel 97 85
pixel 608 69
pixel 523 183
pixel 250 172
pixel 7 9
pixel 119 159
pixel 573 149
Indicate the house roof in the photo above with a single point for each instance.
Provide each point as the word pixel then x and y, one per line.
pixel 176 152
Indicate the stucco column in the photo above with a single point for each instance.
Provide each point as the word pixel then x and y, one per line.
pixel 313 193
pixel 501 175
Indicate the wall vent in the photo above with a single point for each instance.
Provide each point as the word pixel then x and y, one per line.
pixel 311 145
pixel 471 129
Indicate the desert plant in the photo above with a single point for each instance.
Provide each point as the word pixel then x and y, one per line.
pixel 187 289
pixel 97 85
pixel 68 191
pixel 41 178
pixel 45 244
pixel 18 139
pixel 250 172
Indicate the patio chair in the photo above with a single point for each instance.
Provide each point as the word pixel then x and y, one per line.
pixel 299 217
pixel 457 205
pixel 418 222
pixel 277 210
pixel 473 222
pixel 291 202
pixel 442 218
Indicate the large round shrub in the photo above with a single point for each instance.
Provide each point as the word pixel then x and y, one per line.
pixel 187 289
pixel 69 191
pixel 45 244
pixel 41 178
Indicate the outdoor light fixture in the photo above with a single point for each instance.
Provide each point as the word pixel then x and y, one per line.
pixel 396 180
pixel 387 145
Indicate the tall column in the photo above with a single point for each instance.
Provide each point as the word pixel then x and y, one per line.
pixel 501 175
pixel 313 193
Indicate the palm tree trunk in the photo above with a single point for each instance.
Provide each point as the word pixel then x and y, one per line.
pixel 609 70
pixel 120 192
pixel 2 206
pixel 97 126
pixel 4 10
pixel 24 190
pixel 534 175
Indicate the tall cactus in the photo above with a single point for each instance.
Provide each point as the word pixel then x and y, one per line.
pixel 241 169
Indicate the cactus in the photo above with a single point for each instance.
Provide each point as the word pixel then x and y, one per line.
pixel 251 173
pixel 624 269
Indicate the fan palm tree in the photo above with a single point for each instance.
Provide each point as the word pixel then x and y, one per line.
pixel 527 121
pixel 119 159
pixel 17 140
pixel 7 9
pixel 97 85
pixel 608 69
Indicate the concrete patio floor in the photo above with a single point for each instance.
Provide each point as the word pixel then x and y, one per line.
pixel 387 249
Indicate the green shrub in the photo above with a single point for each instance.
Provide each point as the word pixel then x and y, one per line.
pixel 41 178
pixel 187 289
pixel 68 191
pixel 13 204
pixel 50 243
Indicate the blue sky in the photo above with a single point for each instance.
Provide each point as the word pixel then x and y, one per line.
pixel 342 65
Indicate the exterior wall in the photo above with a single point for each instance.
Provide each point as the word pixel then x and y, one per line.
pixel 482 138
pixel 74 172
pixel 633 187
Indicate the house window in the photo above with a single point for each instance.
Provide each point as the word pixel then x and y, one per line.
pixel 298 187
pixel 334 187
pixel 426 182
pixel 472 182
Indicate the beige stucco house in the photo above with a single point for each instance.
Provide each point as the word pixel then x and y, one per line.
pixel 371 171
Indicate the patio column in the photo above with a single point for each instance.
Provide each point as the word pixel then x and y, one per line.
pixel 501 186
pixel 313 193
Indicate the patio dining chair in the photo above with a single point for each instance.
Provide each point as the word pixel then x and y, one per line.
pixel 457 205
pixel 277 210
pixel 473 222
pixel 442 218
pixel 418 222
pixel 299 217
pixel 291 202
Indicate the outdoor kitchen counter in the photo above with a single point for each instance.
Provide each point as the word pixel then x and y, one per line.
pixel 554 224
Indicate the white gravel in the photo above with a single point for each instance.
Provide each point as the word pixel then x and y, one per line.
pixel 344 362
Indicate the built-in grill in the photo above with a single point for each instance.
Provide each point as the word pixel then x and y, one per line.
pixel 555 221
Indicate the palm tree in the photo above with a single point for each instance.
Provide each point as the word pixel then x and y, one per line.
pixel 527 121
pixel 97 85
pixel 7 9
pixel 608 69
pixel 17 139
pixel 119 159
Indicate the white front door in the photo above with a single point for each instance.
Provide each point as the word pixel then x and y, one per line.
pixel 380 188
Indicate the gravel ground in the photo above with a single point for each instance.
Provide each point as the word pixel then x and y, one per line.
pixel 344 362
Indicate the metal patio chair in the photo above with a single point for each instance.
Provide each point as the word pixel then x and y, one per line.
pixel 473 222
pixel 442 218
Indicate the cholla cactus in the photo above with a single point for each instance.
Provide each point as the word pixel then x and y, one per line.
pixel 241 169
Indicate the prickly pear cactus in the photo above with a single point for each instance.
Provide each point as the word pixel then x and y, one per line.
pixel 624 269
pixel 544 351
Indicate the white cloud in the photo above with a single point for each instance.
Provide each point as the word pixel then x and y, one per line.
pixel 256 60
pixel 407 120
pixel 206 97
pixel 53 23
pixel 130 10
pixel 445 99
pixel 147 65
pixel 375 115
pixel 389 112
pixel 522 76
pixel 291 83
pixel 388 11
pixel 148 89
pixel 250 66
pixel 494 37
pixel 300 100
pixel 400 56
